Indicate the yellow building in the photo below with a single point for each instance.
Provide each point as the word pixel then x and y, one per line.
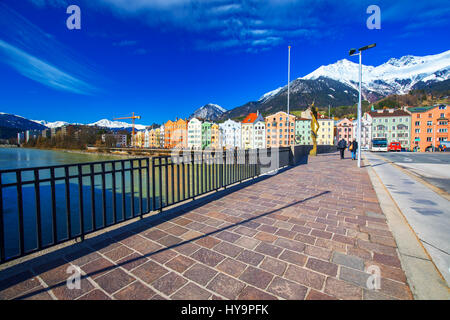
pixel 139 139
pixel 215 136
pixel 325 135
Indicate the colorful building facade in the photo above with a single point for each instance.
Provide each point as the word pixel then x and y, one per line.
pixel 345 130
pixel 303 131
pixel 280 130
pixel 195 134
pixel 230 134
pixel 392 124
pixel 429 126
pixel 175 134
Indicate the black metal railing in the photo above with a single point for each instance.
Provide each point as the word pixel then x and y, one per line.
pixel 44 206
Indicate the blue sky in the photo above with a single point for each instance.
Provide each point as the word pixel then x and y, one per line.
pixel 164 58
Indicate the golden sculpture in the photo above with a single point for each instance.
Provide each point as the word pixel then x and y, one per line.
pixel 314 128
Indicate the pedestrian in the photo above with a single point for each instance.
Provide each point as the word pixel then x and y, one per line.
pixel 342 144
pixel 354 149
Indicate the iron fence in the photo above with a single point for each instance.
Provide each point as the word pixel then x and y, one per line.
pixel 41 207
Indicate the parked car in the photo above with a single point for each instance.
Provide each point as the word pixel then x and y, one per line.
pixel 395 146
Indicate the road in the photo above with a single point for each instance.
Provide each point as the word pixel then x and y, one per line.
pixel 431 167
pixel 427 212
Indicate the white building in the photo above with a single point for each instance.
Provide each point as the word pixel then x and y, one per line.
pixel 253 133
pixel 194 138
pixel 366 133
pixel 161 137
pixel 230 134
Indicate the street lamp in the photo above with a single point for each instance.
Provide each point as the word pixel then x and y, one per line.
pixel 354 52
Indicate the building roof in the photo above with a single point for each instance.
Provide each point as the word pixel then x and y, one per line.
pixel 302 119
pixel 250 118
pixel 388 113
pixel 420 109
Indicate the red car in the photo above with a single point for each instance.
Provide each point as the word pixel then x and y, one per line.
pixel 395 146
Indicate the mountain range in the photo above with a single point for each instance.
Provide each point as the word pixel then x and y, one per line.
pixel 331 85
pixel 337 84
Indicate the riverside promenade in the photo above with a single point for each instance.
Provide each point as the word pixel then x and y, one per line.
pixel 309 232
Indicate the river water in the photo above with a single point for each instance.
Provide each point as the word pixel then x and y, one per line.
pixel 169 185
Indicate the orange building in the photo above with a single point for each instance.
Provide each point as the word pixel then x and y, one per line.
pixel 277 127
pixel 175 135
pixel 429 126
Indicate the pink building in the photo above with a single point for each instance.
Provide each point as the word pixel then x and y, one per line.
pixel 345 130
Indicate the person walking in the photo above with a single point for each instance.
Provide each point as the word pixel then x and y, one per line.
pixel 342 144
pixel 354 148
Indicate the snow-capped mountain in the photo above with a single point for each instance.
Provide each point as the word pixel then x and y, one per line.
pixel 209 111
pixel 105 123
pixel 55 124
pixel 396 76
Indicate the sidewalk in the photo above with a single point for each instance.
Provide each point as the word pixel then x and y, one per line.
pixel 426 211
pixel 307 233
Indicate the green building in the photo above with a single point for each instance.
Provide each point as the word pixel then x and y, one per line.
pixel 206 134
pixel 303 131
pixel 392 124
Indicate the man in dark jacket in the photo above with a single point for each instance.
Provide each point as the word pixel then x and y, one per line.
pixel 354 149
pixel 342 144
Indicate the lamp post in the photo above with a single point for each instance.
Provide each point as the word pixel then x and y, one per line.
pixel 289 80
pixel 354 52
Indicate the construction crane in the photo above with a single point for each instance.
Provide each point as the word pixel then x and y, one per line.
pixel 132 121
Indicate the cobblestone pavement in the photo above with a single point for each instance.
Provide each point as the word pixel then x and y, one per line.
pixel 309 232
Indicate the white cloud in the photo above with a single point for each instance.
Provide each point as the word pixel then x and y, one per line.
pixel 37 55
pixel 41 71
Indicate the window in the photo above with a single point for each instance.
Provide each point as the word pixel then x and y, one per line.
pixel 430 115
pixel 417 123
pixel 442 107
pixel 443 130
pixel 417 131
pixel 429 130
pixel 418 116
pixel 429 123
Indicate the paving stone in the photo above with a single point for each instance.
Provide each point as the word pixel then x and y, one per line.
pixel 135 291
pixel 169 283
pixel 268 249
pixel 356 277
pixel 246 242
pixel 226 286
pixel 250 257
pixel 266 237
pixel 305 277
pixel 290 244
pixel 375 295
pixel 228 249
pixel 16 285
pixel 62 292
pixel 227 236
pixel 180 263
pixel 207 257
pixel 293 257
pixel 200 273
pixel 191 291
pixel 256 277
pixel 387 260
pixel 149 272
pixel 318 252
pixel 95 295
pixel 272 265
pixel 132 261
pixel 322 266
pixel 96 268
pixel 250 293
pixel 114 280
pixel 232 267
pixel 118 253
pixel 287 289
pixel 342 289
pixel 207 242
pixel 349 261
pixel 316 295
